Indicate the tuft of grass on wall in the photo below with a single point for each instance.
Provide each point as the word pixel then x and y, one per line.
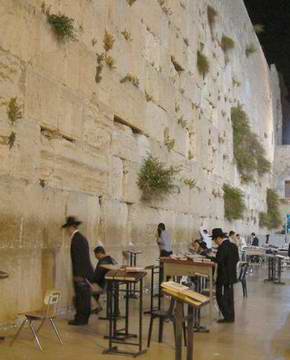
pixel 168 141
pixel 234 204
pixel 99 67
pixel 259 28
pixel 227 43
pixel 272 219
pixel 14 110
pixel 250 50
pixel 62 26
pixel 191 183
pixel 11 139
pixel 155 180
pixel 110 62
pixel 202 64
pixel 130 78
pixel 127 35
pixel 248 152
pixel 108 41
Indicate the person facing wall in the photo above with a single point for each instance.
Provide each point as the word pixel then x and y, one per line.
pixel 163 241
pixel 82 271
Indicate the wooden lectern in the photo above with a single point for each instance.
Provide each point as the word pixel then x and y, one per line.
pixel 194 300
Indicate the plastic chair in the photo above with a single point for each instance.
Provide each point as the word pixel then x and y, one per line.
pixel 48 312
pixel 164 315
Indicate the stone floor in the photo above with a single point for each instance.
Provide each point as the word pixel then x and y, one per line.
pixel 261 332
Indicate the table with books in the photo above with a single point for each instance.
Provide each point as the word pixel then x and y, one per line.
pixel 118 337
pixel 190 267
pixel 183 295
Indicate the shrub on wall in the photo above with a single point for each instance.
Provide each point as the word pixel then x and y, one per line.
pixel 234 204
pixel 14 110
pixel 202 64
pixel 272 219
pixel 155 180
pixel 227 43
pixel 62 26
pixel 248 152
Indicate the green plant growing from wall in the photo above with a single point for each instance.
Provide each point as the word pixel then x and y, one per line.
pixel 227 43
pixel 168 141
pixel 155 180
pixel 11 139
pixel 190 155
pixel 148 97
pixel 14 110
pixel 250 50
pixel 234 204
pixel 236 82
pixel 62 26
pixel 108 41
pixel 202 64
pixel 99 67
pixel 191 183
pixel 130 2
pixel 110 62
pixel 259 28
pixel 127 35
pixel 130 78
pixel 272 219
pixel 248 152
pixel 182 122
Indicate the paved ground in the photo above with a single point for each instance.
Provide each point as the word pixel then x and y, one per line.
pixel 261 332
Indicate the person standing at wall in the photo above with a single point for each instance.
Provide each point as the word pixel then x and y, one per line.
pixel 82 271
pixel 227 258
pixel 164 241
pixel 205 237
pixel 254 240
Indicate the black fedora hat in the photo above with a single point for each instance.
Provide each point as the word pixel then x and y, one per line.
pixel 71 221
pixel 218 232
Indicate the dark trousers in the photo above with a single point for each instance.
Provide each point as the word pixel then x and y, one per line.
pixel 163 253
pixel 225 300
pixel 82 301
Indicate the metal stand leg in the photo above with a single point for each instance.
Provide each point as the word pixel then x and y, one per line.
pixel 18 332
pixel 178 340
pixel 55 330
pixel 189 355
pixel 35 335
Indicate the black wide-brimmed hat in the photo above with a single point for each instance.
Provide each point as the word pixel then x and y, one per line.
pixel 71 221
pixel 218 232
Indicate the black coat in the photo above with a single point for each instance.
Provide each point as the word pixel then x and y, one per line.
pixel 255 241
pixel 80 256
pixel 227 258
pixel 100 273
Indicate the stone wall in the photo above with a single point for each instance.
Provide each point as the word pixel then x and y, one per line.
pixel 79 144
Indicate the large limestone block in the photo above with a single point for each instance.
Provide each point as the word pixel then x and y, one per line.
pixel 156 121
pixel 116 178
pixel 17 39
pixel 114 226
pixel 131 192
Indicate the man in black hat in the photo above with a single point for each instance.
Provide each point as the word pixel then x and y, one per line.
pixel 227 258
pixel 82 271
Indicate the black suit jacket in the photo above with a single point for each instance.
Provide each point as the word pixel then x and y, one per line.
pixel 227 258
pixel 80 256
pixel 100 273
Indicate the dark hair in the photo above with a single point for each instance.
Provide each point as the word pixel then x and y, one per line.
pixel 197 241
pixel 231 233
pixel 202 244
pixel 253 234
pixel 99 250
pixel 161 226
